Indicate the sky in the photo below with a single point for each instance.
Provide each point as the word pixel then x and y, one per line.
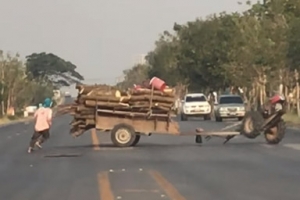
pixel 101 37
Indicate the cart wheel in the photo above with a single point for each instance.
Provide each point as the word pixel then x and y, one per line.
pixel 276 134
pixel 136 140
pixel 198 139
pixel 123 135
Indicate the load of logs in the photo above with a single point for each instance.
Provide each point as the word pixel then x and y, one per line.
pixel 106 100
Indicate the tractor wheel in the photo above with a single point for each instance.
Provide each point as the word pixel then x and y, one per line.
pixel 251 124
pixel 276 133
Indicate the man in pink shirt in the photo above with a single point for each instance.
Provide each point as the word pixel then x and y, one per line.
pixel 43 122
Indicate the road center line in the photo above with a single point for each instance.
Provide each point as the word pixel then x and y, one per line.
pixel 105 191
pixel 95 140
pixel 166 186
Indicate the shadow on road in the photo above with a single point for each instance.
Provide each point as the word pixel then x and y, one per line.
pixel 216 144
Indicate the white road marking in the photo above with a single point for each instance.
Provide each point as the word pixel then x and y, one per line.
pixel 267 146
pixel 293 146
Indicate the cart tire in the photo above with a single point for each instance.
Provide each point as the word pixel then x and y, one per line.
pixel 123 135
pixel 198 139
pixel 183 117
pixel 251 124
pixel 136 140
pixel 276 133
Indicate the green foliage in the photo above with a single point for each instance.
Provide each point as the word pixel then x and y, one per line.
pixel 22 86
pixel 135 75
pixel 53 69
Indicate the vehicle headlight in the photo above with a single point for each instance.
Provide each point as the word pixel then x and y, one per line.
pixel 222 109
pixel 242 109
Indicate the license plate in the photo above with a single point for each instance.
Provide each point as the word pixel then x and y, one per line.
pixel 197 110
pixel 232 113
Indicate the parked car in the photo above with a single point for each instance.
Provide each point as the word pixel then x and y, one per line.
pixel 230 106
pixel 195 105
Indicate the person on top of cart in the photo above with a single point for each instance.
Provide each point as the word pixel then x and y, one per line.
pixel 43 122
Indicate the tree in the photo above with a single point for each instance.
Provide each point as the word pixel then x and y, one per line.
pixel 257 50
pixel 53 69
pixel 135 75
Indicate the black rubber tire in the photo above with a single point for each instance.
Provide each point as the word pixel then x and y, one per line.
pixel 240 118
pixel 219 119
pixel 115 131
pixel 277 135
pixel 251 124
pixel 136 141
pixel 183 117
pixel 207 117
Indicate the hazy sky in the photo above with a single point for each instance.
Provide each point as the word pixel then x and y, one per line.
pixel 99 36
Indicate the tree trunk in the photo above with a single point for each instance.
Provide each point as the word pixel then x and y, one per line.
pixel 297 98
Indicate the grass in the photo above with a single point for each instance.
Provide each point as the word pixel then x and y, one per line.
pixel 9 119
pixel 292 119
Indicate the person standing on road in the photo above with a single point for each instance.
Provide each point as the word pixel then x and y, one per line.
pixel 43 122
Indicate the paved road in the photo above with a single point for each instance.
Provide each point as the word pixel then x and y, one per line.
pixel 160 167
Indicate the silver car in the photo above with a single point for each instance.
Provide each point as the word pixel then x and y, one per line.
pixel 229 106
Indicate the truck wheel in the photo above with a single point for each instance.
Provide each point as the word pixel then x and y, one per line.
pixel 207 117
pixel 137 139
pixel 183 117
pixel 251 124
pixel 219 119
pixel 123 135
pixel 276 134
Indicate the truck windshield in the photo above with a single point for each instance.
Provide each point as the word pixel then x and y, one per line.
pixel 228 100
pixel 195 98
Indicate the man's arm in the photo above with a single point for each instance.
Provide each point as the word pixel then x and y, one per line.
pixel 35 113
pixel 50 117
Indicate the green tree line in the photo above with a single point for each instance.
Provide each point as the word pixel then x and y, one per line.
pixel 28 83
pixel 257 50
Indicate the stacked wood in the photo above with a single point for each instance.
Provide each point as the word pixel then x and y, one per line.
pixel 109 101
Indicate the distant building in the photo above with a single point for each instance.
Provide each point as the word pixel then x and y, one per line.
pixel 139 59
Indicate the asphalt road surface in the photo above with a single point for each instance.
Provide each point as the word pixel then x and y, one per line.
pixel 158 168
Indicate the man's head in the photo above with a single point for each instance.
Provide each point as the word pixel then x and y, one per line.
pixel 47 103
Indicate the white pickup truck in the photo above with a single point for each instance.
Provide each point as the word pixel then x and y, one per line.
pixel 195 105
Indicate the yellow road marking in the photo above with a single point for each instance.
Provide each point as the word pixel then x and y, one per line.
pixel 95 140
pixel 166 186
pixel 105 191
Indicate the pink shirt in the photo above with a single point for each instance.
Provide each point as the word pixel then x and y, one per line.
pixel 43 118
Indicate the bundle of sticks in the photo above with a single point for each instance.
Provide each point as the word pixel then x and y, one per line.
pixel 109 101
